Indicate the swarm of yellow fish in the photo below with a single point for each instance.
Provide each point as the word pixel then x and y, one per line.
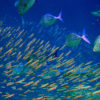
pixel 32 71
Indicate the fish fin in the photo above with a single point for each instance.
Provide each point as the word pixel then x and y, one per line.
pixel 60 16
pixel 84 36
pixel 84 31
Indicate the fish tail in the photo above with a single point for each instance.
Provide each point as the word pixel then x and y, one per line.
pixel 60 16
pixel 84 37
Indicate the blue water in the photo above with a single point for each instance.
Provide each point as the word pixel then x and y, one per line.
pixel 76 16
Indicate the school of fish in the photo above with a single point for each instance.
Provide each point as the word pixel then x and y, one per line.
pixel 38 73
pixel 31 68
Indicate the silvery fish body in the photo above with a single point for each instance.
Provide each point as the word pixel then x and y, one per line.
pixel 24 5
pixel 20 69
pixel 73 40
pixel 48 20
pixel 96 47
pixel 96 13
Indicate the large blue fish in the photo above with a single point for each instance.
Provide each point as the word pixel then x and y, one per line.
pixel 24 5
pixel 96 47
pixel 74 39
pixel 49 19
